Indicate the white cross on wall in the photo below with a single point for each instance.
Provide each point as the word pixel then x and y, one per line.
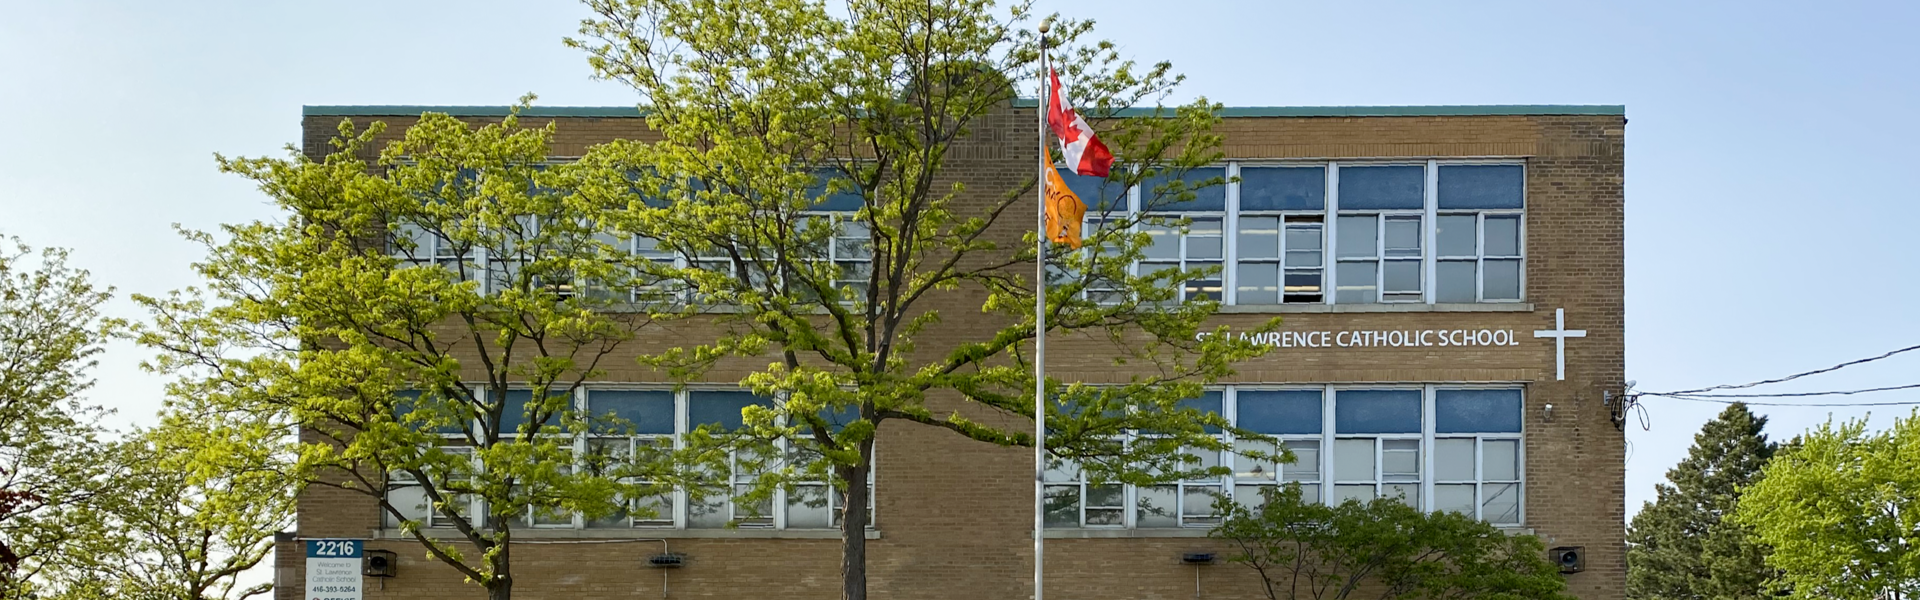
pixel 1560 333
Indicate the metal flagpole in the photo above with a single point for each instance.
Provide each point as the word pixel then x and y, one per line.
pixel 1040 336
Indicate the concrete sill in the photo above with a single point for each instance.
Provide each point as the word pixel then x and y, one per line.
pixel 532 534
pixel 1377 308
pixel 1168 532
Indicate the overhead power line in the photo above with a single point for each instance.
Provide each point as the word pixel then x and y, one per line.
pixel 1702 395
pixel 1787 378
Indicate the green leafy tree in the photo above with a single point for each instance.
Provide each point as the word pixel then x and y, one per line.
pixel 809 168
pixel 52 461
pixel 1383 549
pixel 1682 546
pixel 195 506
pixel 422 317
pixel 1841 511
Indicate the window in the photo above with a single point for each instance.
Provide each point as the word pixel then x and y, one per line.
pixel 1196 246
pixel 1435 447
pixel 633 424
pixel 1478 233
pixel 1373 232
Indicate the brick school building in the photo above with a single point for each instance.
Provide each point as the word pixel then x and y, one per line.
pixel 1450 279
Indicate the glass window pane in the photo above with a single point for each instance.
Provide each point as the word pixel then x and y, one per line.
pixel 807 508
pixel 1353 459
pixel 1163 242
pixel 647 412
pixel 1248 468
pixel 1106 496
pixel 1454 235
pixel 1260 237
pixel 1456 498
pixel 1196 506
pixel 1479 186
pixel 1403 277
pixel 1155 507
pixel 1203 459
pixel 722 408
pixel 1500 460
pixel 1060 470
pixel 709 512
pixel 1258 283
pixel 1306 238
pixel 1502 280
pixel 1063 506
pixel 1302 285
pixel 1377 411
pixel 1453 459
pixel 1408 493
pixel 1283 188
pixel 1343 493
pixel 1310 494
pixel 1303 258
pixel 1306 461
pixel 1279 411
pixel 1359 237
pixel 411 501
pixel 1400 459
pixel 1503 236
pixel 1500 503
pixel 1251 496
pixel 1476 411
pixel 1213 403
pixel 1202 288
pixel 1403 237
pixel 653 511
pixel 1158 193
pixel 1203 239
pixel 1355 283
pixel 1383 187
pixel 1455 281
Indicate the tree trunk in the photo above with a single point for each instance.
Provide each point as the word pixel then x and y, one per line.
pixel 853 531
pixel 501 586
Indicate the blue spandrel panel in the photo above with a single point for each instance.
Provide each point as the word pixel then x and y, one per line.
pixel 723 408
pixel 1482 186
pixel 514 414
pixel 1099 193
pixel 1157 194
pixel 647 411
pixel 1283 188
pixel 405 402
pixel 844 197
pixel 1376 411
pixel 1476 411
pixel 1280 412
pixel 837 418
pixel 1208 402
pixel 1383 188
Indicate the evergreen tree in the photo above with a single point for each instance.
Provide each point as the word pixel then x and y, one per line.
pixel 1680 546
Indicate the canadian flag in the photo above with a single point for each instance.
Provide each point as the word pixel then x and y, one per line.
pixel 1078 145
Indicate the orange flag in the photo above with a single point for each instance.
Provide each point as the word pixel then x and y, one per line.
pixel 1065 210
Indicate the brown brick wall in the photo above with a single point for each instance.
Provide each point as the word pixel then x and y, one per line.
pixel 955 515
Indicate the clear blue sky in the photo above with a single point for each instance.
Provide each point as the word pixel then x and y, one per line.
pixel 1771 208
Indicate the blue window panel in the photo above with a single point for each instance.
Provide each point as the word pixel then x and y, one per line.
pixel 1483 186
pixel 1476 411
pixel 1283 188
pixel 722 408
pixel 649 412
pixel 405 402
pixel 1154 196
pixel 1376 411
pixel 1099 193
pixel 847 198
pixel 515 412
pixel 1382 188
pixel 1281 412
pixel 1208 402
pixel 836 419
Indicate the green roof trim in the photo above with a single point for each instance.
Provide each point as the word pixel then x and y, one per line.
pixel 1229 112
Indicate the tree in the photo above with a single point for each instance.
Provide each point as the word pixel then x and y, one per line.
pixel 1682 546
pixel 51 453
pixel 196 506
pixel 1385 549
pixel 806 170
pixel 1839 510
pixel 456 256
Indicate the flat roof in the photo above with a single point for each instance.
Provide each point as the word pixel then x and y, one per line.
pixel 1231 111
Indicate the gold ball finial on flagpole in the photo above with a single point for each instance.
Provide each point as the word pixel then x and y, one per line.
pixel 1046 24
